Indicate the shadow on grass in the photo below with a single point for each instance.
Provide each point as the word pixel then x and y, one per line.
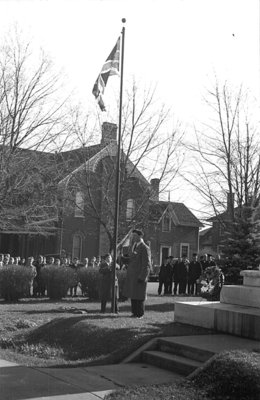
pixel 85 343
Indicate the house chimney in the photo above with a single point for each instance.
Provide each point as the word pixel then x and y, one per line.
pixel 230 202
pixel 155 186
pixel 109 133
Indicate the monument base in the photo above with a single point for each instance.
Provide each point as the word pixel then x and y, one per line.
pixel 229 318
pixel 247 296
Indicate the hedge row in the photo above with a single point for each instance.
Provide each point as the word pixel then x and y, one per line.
pixel 16 281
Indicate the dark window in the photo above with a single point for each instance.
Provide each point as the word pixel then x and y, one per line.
pixel 166 223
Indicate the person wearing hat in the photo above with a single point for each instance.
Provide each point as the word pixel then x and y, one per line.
pixel 204 261
pixel 137 274
pixel 194 273
pixel 163 277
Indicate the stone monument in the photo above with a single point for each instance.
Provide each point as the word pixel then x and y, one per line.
pixel 237 312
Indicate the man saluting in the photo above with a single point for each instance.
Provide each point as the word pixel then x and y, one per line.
pixel 139 265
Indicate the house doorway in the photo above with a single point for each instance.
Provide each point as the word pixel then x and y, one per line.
pixel 165 252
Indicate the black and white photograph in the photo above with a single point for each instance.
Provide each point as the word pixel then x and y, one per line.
pixel 129 199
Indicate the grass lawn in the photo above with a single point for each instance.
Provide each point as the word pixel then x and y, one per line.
pixel 175 391
pixel 72 332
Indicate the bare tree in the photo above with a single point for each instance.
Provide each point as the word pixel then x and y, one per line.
pixel 225 155
pixel 150 149
pixel 31 119
pixel 225 171
pixel 150 138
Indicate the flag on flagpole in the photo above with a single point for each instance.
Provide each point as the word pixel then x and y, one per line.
pixel 111 67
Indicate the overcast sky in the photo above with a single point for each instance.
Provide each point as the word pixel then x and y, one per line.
pixel 177 44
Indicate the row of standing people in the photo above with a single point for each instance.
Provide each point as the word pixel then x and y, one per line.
pixel 75 264
pixel 37 286
pixel 136 281
pixel 182 276
pixel 7 259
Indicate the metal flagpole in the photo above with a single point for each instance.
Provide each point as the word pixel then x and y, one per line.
pixel 117 192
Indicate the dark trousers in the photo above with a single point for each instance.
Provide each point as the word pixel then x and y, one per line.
pixel 168 286
pixel 191 287
pixel 182 286
pixel 104 304
pixel 175 287
pixel 137 307
pixel 161 284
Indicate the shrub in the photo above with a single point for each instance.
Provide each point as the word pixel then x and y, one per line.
pixel 15 281
pixel 57 279
pixel 89 279
pixel 231 270
pixel 234 374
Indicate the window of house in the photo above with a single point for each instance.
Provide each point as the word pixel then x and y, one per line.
pixel 185 250
pixel 79 205
pixel 76 246
pixel 165 251
pixel 166 223
pixel 130 209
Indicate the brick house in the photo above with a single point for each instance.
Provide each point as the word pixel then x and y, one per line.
pixel 87 230
pixel 83 226
pixel 172 230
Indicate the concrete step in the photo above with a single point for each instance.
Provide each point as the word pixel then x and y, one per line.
pixel 172 362
pixel 169 345
pixel 227 318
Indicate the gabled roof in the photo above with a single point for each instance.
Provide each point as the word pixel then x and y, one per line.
pixel 224 216
pixel 97 155
pixel 205 232
pixel 81 154
pixel 179 213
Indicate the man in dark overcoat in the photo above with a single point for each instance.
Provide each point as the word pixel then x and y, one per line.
pixel 194 273
pixel 180 276
pixel 105 289
pixel 163 277
pixel 137 274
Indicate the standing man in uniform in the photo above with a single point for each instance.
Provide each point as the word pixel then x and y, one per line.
pixel 137 274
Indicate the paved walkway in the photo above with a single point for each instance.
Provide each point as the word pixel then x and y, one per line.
pixel 20 383
pixel 91 383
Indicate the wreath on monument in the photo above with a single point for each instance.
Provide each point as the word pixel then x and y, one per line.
pixel 211 283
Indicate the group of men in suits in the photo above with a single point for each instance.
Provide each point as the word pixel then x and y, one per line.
pixel 182 276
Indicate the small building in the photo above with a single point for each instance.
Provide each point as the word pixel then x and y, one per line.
pixel 173 230
pixel 205 241
pixel 212 239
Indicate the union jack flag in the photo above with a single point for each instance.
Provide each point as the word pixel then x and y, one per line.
pixel 111 67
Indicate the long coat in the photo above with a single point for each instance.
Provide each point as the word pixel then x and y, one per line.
pixel 180 272
pixel 137 273
pixel 195 271
pixel 105 287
